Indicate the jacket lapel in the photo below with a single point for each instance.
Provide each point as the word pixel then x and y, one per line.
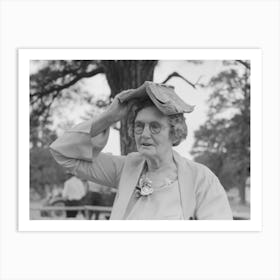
pixel 131 173
pixel 186 186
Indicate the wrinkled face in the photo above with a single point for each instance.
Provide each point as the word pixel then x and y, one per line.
pixel 151 132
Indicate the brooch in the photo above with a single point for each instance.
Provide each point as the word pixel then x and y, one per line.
pixel 144 187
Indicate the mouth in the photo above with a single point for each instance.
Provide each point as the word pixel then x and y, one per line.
pixel 146 145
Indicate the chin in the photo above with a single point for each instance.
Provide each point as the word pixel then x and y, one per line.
pixel 146 152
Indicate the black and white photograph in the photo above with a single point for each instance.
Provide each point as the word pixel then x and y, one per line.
pixel 142 177
pixel 140 140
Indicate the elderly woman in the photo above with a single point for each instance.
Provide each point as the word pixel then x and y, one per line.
pixel 155 182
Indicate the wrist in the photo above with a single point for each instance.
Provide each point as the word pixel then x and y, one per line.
pixel 111 115
pixel 104 121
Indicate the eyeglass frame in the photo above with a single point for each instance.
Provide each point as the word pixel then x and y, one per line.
pixel 150 128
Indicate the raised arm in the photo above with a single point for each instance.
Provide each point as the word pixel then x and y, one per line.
pixel 79 149
pixel 82 156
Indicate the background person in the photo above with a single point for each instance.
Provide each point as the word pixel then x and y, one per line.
pixel 73 192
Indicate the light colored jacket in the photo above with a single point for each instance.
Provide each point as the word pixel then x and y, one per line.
pixel 202 196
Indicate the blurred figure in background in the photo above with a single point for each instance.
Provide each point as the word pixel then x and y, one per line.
pixel 73 193
pixel 93 196
pixel 97 195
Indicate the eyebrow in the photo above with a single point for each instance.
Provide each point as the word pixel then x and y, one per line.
pixel 147 122
pixel 157 120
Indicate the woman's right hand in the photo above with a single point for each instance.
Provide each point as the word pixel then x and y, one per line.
pixel 117 109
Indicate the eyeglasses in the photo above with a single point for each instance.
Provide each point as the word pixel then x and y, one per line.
pixel 154 127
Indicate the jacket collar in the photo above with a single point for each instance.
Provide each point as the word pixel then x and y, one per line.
pixel 131 172
pixel 186 186
pixel 129 179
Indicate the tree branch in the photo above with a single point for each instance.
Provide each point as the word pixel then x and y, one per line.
pixel 244 63
pixel 176 74
pixel 70 83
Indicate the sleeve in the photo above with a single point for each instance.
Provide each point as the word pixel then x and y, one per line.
pixel 211 198
pixel 80 154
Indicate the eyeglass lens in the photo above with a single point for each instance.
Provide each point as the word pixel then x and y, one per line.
pixel 154 127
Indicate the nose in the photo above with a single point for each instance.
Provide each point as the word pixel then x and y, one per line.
pixel 146 131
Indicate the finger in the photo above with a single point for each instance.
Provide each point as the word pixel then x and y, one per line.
pixel 125 95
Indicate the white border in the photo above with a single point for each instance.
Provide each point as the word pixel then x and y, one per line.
pixel 24 57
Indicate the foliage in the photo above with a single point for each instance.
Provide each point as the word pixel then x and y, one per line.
pixel 223 142
pixel 41 137
pixel 58 80
pixel 54 80
pixel 44 170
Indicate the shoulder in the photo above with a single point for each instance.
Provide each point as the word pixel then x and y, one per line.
pixel 204 179
pixel 198 169
pixel 133 159
pixel 134 156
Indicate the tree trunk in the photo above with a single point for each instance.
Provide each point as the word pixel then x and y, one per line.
pixel 127 74
pixel 242 186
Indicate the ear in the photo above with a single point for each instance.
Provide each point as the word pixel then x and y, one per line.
pixel 174 140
